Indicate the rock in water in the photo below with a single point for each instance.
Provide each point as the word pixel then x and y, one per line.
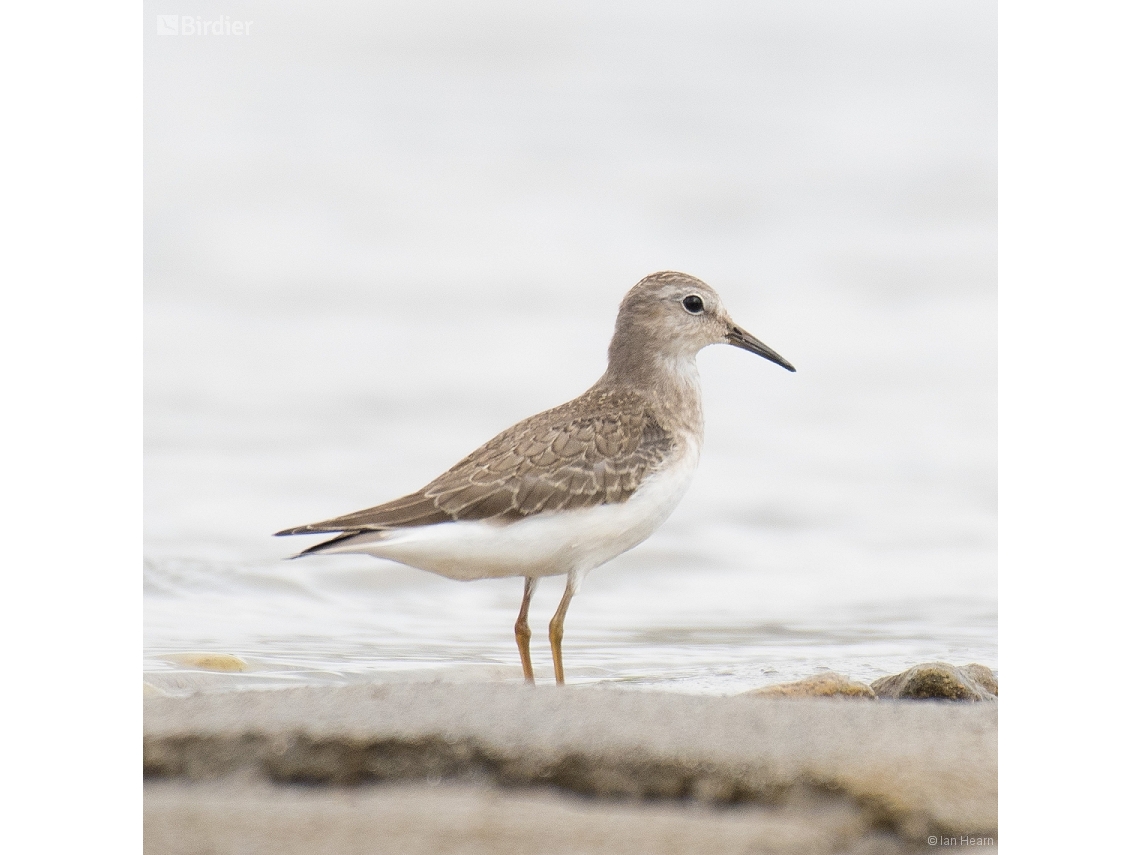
pixel 825 685
pixel 984 676
pixel 939 681
pixel 209 661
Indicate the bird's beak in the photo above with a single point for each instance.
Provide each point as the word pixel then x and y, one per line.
pixel 739 338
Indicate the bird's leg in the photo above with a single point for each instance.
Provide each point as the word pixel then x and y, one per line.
pixel 556 627
pixel 522 629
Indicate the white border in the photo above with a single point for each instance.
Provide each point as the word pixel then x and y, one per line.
pixel 70 341
pixel 1069 278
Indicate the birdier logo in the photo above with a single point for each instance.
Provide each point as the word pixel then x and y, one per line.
pixel 189 25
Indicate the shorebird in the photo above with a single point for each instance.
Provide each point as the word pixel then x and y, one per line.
pixel 565 491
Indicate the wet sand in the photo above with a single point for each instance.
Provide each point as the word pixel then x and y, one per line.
pixel 493 768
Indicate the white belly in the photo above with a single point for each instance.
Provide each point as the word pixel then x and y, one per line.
pixel 543 545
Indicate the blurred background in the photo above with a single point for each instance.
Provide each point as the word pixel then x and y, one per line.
pixel 379 233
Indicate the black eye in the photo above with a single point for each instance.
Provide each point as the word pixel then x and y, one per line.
pixel 693 304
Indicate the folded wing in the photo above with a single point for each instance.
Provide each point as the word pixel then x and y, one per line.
pixel 592 451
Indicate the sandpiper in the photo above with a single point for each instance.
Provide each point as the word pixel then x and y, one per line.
pixel 565 491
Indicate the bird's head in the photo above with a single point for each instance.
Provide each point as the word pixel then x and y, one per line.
pixel 670 317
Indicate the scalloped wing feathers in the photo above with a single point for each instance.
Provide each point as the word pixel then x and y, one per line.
pixel 595 450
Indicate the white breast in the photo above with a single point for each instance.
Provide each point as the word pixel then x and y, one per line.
pixel 547 544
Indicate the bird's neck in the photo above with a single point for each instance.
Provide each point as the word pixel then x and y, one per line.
pixel 671 384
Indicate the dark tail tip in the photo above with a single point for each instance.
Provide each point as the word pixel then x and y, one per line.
pixel 324 544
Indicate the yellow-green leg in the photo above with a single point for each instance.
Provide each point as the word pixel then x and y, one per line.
pixel 522 629
pixel 556 624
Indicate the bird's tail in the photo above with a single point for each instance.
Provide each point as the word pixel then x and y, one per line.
pixel 345 541
pixel 335 544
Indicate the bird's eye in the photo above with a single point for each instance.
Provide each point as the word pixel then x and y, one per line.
pixel 693 304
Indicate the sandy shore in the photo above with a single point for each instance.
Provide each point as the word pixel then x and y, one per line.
pixel 493 768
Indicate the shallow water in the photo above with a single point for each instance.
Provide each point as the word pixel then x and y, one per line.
pixel 389 233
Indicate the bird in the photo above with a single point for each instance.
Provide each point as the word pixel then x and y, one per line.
pixel 564 491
